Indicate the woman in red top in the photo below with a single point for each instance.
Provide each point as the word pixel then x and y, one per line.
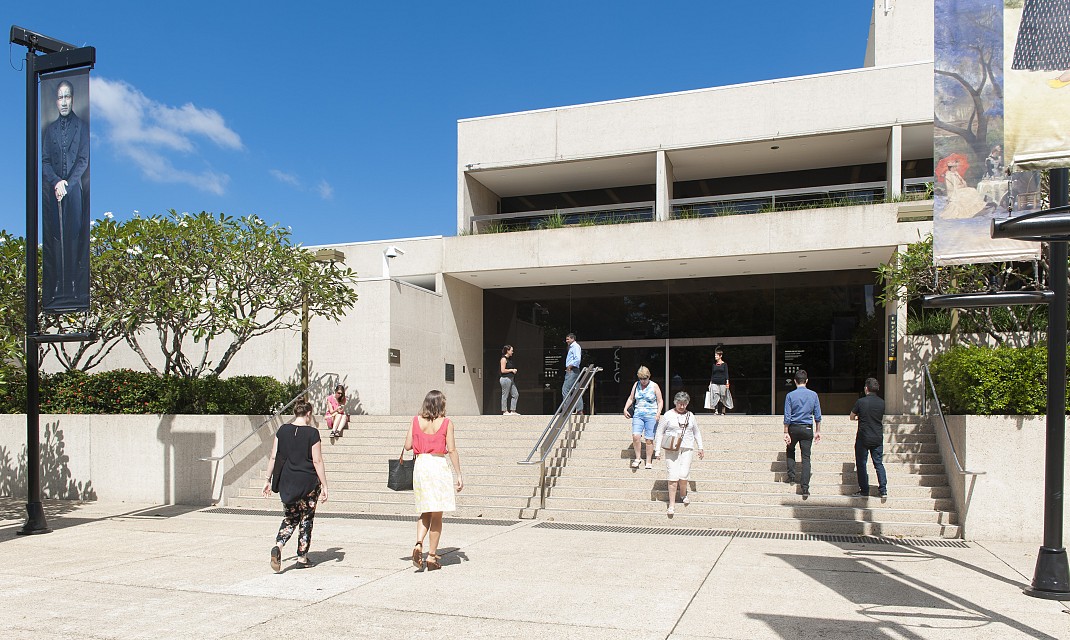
pixel 431 440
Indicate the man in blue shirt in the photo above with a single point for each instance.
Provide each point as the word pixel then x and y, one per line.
pixel 802 426
pixel 572 368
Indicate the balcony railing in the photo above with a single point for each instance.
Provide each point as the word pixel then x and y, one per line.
pixel 824 197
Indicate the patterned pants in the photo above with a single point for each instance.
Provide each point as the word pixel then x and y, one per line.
pixel 299 515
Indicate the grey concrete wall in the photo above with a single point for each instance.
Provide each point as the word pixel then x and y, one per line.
pixel 900 31
pixel 1007 502
pixel 146 459
pixel 857 99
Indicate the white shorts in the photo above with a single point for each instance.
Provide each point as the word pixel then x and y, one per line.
pixel 678 464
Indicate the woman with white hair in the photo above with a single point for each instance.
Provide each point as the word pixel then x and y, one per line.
pixel 678 434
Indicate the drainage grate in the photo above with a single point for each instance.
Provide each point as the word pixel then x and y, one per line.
pixel 362 516
pixel 606 528
pixel 766 535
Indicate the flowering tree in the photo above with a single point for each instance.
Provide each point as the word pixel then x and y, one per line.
pixel 12 302
pixel 215 282
pixel 201 285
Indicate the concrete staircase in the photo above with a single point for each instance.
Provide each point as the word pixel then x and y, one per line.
pixel 740 484
pixel 490 446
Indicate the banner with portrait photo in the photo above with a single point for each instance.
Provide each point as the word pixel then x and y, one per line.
pixel 972 186
pixel 64 118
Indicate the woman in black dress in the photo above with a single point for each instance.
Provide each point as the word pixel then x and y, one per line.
pixel 295 472
pixel 1043 42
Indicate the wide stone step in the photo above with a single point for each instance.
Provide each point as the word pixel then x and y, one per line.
pixel 819 464
pixel 925 441
pixel 773 495
pixel 685 519
pixel 582 455
pixel 598 485
pixel 791 507
pixel 403 506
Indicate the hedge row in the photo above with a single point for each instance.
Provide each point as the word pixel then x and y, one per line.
pixel 127 391
pixel 992 380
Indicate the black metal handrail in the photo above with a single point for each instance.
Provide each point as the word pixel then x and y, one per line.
pixel 943 421
pixel 561 419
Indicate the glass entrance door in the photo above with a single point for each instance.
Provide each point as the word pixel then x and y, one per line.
pixel 619 364
pixel 750 374
pixel 684 364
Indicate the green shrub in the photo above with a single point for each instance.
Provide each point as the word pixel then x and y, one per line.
pixel 992 381
pixel 136 392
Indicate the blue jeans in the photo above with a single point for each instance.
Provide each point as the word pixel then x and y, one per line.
pixel 877 453
pixel 571 375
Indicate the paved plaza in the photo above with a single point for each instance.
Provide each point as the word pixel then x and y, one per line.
pixel 136 571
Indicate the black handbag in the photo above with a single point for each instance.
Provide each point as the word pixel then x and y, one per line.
pixel 400 476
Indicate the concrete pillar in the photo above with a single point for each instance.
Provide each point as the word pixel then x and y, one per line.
pixel 895 385
pixel 895 162
pixel 663 186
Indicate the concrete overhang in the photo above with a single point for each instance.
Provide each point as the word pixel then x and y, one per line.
pixel 859 237
pixel 709 267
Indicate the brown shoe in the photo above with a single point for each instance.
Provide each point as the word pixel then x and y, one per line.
pixel 433 561
pixel 418 555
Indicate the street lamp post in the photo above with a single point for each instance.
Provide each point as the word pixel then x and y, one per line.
pixel 326 256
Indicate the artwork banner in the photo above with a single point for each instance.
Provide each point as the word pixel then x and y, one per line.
pixel 64 116
pixel 972 185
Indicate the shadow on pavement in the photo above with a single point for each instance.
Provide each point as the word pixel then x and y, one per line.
pixel 895 603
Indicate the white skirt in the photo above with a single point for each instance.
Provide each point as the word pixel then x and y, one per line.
pixel 678 464
pixel 432 484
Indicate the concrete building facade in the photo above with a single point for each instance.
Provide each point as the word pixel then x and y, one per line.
pixel 656 228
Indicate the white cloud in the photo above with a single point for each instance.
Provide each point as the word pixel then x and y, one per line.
pixel 285 178
pixel 325 190
pixel 148 133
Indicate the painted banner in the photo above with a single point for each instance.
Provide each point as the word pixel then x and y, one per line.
pixel 64 117
pixel 1037 41
pixel 972 184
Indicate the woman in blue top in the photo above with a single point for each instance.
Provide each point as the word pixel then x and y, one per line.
pixel 647 403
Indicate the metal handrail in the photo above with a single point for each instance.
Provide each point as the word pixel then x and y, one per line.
pixel 943 421
pixel 558 421
pixel 268 420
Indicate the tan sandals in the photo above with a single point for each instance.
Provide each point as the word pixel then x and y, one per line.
pixel 418 555
pixel 433 561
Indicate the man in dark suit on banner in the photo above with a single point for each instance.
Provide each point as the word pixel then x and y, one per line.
pixel 65 210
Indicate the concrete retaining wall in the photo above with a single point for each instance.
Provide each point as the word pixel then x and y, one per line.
pixel 146 459
pixel 1007 502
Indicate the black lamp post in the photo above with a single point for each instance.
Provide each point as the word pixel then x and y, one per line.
pixel 1051 578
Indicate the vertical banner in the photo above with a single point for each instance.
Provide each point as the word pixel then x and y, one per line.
pixel 1038 83
pixel 972 185
pixel 64 117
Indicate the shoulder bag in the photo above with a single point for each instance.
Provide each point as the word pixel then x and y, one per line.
pixel 400 473
pixel 672 443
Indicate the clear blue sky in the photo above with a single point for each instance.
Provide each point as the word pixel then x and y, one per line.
pixel 339 118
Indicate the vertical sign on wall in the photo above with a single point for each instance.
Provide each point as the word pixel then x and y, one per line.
pixel 893 345
pixel 64 117
pixel 972 185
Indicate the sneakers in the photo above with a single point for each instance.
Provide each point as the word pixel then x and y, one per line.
pixel 276 559
pixel 636 463
pixel 860 494
pixel 649 466
pixel 805 492
pixel 686 500
pixel 670 511
pixel 791 480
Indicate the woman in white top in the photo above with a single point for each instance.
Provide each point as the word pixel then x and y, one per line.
pixel 679 423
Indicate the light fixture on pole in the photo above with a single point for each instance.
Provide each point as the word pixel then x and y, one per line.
pixel 326 256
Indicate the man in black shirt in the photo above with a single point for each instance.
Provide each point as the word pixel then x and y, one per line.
pixel 869 442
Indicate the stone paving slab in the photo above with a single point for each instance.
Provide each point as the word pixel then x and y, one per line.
pixel 138 571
